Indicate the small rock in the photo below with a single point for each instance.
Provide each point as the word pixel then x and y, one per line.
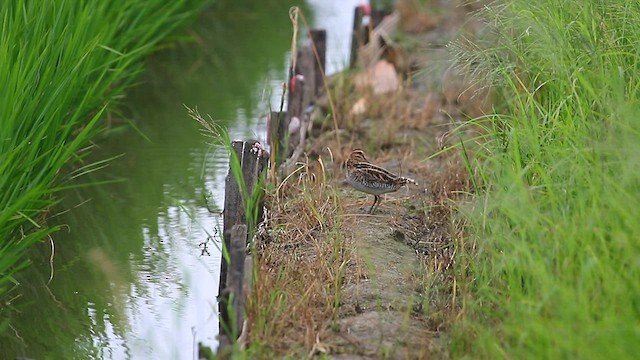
pixel 359 108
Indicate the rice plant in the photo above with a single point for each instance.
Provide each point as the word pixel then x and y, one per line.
pixel 65 64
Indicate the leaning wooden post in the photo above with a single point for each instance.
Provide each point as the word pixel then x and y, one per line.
pixel 242 206
pixel 319 45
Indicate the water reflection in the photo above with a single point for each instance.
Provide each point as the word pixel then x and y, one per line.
pixel 130 279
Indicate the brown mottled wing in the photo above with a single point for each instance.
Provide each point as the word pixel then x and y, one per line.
pixel 375 171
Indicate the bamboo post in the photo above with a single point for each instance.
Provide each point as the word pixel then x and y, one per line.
pixel 319 45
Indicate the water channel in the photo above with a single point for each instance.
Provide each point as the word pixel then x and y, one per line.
pixel 131 278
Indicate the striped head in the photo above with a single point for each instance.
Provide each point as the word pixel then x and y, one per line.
pixel 357 156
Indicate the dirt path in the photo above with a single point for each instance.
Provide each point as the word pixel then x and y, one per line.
pixel 377 312
pixel 400 301
pixel 338 282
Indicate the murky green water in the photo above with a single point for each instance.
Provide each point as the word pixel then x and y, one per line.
pixel 132 278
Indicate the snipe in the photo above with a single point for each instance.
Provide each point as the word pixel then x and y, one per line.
pixel 372 179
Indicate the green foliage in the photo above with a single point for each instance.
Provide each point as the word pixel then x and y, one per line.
pixel 64 63
pixel 556 268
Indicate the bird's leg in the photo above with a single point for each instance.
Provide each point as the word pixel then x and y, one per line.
pixel 375 201
pixel 379 200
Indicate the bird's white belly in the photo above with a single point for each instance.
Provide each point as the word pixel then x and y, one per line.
pixel 369 190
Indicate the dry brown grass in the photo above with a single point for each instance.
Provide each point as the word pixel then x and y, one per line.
pixel 300 265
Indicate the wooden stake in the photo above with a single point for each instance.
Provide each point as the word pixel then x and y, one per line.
pixel 235 278
pixel 279 136
pixel 239 193
pixel 319 45
pixel 357 35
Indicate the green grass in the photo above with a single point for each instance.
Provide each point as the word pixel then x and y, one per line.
pixel 556 265
pixel 64 65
